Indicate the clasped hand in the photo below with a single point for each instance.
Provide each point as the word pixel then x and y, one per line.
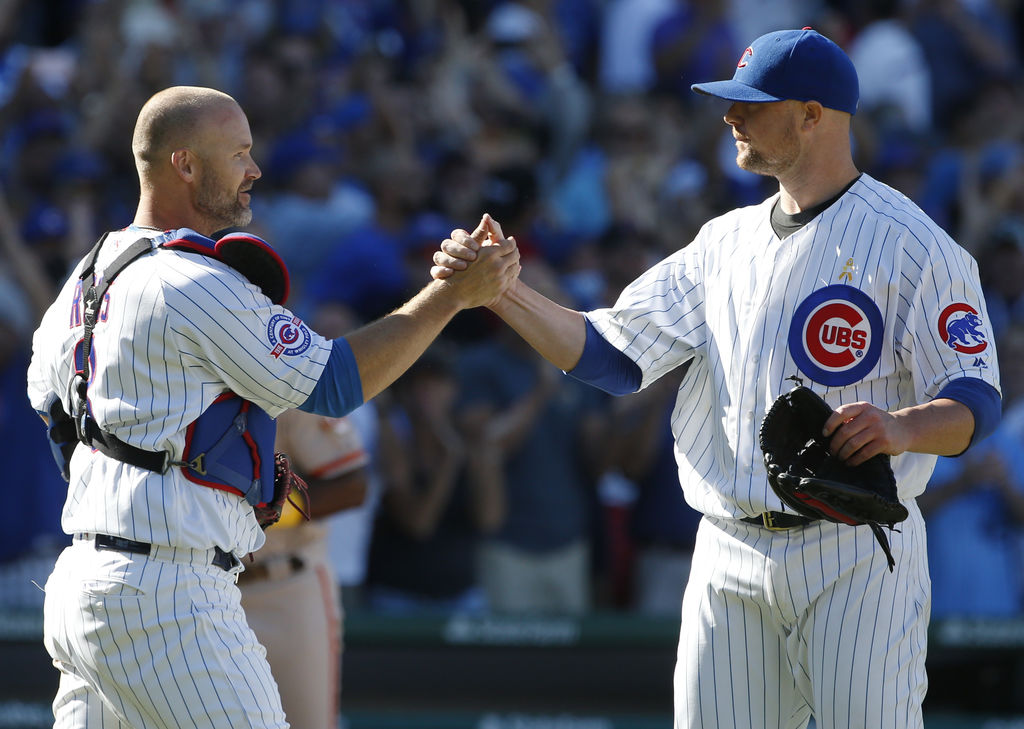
pixel 486 246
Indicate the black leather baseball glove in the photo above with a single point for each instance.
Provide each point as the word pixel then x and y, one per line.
pixel 813 482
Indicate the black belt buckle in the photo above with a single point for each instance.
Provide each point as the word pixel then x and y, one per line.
pixel 120 544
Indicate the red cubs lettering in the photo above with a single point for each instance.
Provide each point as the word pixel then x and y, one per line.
pixel 840 336
pixel 824 329
pixel 843 337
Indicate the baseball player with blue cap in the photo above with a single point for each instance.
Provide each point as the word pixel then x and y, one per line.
pixel 842 283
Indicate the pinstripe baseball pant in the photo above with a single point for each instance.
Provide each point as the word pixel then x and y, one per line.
pixel 780 625
pixel 153 641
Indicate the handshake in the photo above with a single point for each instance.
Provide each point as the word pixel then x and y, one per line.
pixel 478 267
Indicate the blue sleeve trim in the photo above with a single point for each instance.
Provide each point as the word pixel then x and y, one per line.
pixel 339 390
pixel 605 367
pixel 982 399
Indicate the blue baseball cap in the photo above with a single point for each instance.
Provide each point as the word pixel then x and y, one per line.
pixel 802 65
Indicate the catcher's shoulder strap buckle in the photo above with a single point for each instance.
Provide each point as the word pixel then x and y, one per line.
pixel 197 464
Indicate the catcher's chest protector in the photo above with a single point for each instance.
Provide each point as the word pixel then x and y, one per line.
pixel 230 446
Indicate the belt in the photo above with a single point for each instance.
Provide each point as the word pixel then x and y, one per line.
pixel 779 521
pixel 273 568
pixel 225 560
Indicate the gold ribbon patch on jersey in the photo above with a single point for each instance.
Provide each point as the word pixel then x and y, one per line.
pixel 846 275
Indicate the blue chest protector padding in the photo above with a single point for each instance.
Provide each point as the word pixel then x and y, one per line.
pixel 231 447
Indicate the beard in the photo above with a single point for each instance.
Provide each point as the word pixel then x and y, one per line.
pixel 218 204
pixel 753 160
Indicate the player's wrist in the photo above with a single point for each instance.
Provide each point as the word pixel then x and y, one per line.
pixel 508 301
pixel 446 296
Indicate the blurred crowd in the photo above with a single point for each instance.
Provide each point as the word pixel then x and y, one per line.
pixel 494 482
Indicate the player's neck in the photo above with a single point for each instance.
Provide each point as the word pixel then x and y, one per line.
pixel 162 217
pixel 807 191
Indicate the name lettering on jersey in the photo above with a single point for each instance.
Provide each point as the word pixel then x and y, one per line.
pixel 287 335
pixel 835 337
pixel 76 308
pixel 848 271
pixel 960 326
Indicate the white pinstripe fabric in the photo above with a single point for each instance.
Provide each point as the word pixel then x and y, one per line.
pixel 800 620
pixel 776 625
pixel 154 644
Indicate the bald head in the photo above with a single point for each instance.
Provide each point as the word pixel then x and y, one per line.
pixel 192 148
pixel 172 119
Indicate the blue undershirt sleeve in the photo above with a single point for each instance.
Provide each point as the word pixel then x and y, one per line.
pixel 339 390
pixel 605 367
pixel 981 399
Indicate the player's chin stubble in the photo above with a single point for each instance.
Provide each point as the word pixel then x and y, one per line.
pixel 216 203
pixel 753 161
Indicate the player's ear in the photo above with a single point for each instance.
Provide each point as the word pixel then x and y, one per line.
pixel 183 161
pixel 813 112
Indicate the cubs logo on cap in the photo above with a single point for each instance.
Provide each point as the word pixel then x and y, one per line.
pixel 791 64
pixel 287 335
pixel 960 326
pixel 835 337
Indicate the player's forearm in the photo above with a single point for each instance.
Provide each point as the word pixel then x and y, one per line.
pixel 943 427
pixel 384 349
pixel 556 332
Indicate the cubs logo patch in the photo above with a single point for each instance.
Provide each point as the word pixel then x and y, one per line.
pixel 960 327
pixel 835 337
pixel 287 335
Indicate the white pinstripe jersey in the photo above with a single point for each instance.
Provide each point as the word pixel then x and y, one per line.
pixel 869 301
pixel 177 330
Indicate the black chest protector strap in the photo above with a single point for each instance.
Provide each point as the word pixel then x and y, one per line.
pixel 92 300
pixel 230 445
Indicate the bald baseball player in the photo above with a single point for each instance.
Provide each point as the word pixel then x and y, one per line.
pixel 843 282
pixel 170 353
